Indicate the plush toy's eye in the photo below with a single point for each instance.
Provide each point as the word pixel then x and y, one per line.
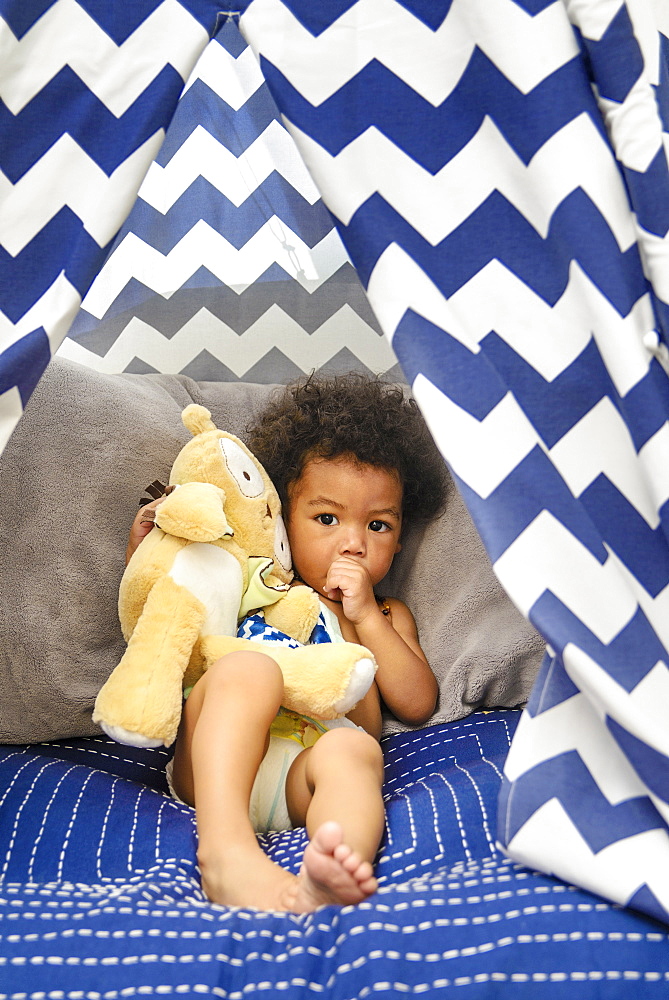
pixel 242 469
pixel 281 546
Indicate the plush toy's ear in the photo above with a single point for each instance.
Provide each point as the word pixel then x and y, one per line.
pixel 197 419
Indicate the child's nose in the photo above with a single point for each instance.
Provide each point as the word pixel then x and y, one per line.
pixel 353 543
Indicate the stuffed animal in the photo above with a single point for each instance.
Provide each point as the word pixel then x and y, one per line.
pixel 218 550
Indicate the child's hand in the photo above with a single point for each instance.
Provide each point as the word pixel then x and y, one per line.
pixel 141 526
pixel 349 582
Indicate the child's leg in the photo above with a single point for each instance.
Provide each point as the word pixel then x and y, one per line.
pixel 222 740
pixel 335 790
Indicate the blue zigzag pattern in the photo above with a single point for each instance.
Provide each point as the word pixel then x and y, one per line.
pixel 107 138
pixel 630 655
pixel 646 761
pixel 275 205
pixel 554 407
pixel 118 23
pixel 615 58
pixel 21 17
pixel 496 230
pixel 651 200
pixel 234 130
pixel 22 364
pixel 478 381
pixel 412 123
pixel 317 20
pixel 642 549
pixel 43 259
pixel 568 778
pixel 553 685
pixel 532 487
pixel 275 197
pixel 240 310
pixel 63 249
pixel 478 393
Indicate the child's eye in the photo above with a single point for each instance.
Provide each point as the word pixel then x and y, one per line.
pixel 326 519
pixel 379 526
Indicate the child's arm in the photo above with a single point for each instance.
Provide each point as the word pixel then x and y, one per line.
pixel 404 679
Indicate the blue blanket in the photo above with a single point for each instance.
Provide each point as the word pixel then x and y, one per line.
pixel 100 893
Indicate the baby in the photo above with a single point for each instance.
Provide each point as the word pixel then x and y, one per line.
pixel 354 464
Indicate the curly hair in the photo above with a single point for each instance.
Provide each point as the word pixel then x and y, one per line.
pixel 373 421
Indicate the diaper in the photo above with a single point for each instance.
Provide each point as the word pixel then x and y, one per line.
pixel 268 809
pixel 289 735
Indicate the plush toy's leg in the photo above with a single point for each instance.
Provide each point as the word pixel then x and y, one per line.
pixel 339 676
pixel 140 704
pixel 324 681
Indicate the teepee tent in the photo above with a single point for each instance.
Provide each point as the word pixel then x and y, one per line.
pixel 189 190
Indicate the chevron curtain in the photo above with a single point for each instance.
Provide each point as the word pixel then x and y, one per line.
pixel 229 265
pixel 497 173
pixel 86 93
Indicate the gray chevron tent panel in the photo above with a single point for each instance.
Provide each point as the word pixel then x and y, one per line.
pixel 497 175
pixel 229 265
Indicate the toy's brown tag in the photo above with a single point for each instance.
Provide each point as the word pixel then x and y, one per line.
pixel 155 490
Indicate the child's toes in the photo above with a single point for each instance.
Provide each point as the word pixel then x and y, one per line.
pixel 351 862
pixel 369 886
pixel 342 852
pixel 364 872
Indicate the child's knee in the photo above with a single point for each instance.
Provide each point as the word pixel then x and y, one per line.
pixel 248 669
pixel 345 744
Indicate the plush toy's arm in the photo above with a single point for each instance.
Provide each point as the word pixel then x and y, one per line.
pixel 295 614
pixel 194 511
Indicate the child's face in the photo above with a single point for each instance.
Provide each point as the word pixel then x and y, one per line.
pixel 338 507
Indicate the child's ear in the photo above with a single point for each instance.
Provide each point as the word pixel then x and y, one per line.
pixel 398 547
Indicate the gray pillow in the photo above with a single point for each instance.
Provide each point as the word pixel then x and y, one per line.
pixel 70 480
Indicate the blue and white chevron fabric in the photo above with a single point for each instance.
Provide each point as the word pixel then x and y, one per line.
pixel 86 92
pixel 229 265
pixel 498 173
pixel 255 628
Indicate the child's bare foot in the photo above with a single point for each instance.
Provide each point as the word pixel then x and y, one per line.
pixel 244 876
pixel 331 872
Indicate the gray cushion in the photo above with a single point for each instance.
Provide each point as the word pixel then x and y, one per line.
pixel 70 480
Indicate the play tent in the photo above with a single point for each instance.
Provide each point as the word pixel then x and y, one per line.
pixel 493 174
